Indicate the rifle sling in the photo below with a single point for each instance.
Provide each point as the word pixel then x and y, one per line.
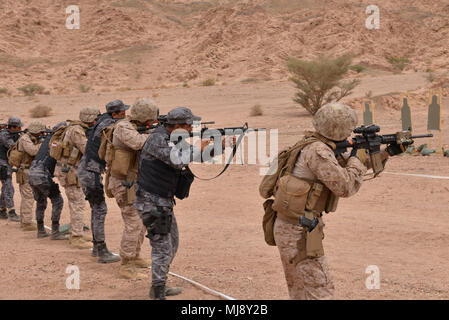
pixel 234 150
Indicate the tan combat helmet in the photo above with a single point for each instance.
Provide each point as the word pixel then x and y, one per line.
pixel 89 114
pixel 36 127
pixel 335 121
pixel 144 109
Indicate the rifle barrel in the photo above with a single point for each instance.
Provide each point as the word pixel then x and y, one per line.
pixel 422 136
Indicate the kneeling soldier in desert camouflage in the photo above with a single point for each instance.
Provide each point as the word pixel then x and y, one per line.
pixel 122 173
pixel 322 178
pixel 28 144
pixel 74 144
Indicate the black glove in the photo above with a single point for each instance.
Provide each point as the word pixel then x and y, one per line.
pixel 354 152
pixel 394 149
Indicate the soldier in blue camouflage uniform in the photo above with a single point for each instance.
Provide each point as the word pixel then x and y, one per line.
pixel 90 170
pixel 41 181
pixel 7 138
pixel 160 165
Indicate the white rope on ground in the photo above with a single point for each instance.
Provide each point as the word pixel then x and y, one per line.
pixel 203 287
pixel 418 175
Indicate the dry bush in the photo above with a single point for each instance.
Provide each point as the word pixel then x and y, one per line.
pixel 5 91
pixel 84 88
pixel 40 111
pixel 208 82
pixel 320 81
pixel 32 89
pixel 256 110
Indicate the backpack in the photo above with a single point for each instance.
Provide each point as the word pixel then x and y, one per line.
pixel 105 150
pixel 56 144
pixel 280 166
pixel 15 156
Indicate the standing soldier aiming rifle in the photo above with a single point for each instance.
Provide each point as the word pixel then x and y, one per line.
pixel 67 146
pixel 90 169
pixel 309 182
pixel 8 137
pixel 162 175
pixel 125 142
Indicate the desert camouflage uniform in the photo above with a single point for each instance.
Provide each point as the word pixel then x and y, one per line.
pixel 127 137
pixel 310 278
pixel 90 175
pixel 75 136
pixel 29 145
pixel 7 194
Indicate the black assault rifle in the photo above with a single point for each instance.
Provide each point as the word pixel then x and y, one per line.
pixel 368 139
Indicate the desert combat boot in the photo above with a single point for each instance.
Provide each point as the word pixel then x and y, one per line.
pixel 79 242
pixel 3 214
pixel 128 270
pixel 12 216
pixel 141 262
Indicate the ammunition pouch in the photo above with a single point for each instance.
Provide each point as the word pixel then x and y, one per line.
pixel 314 239
pixel 72 177
pixel 158 221
pixel 310 244
pixel 15 156
pixel 185 180
pixel 295 196
pixel 107 176
pixel 74 156
pixel 122 162
pixel 21 176
pixel 3 173
pixel 268 222
pixel 130 191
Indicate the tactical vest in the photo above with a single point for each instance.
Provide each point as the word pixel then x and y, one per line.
pixel 94 139
pixel 44 155
pixel 71 155
pixel 123 163
pixel 155 176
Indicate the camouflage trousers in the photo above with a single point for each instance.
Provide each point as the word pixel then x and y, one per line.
pixel 43 191
pixel 134 230
pixel 309 279
pixel 76 199
pixel 163 250
pixel 93 181
pixel 77 205
pixel 7 196
pixel 26 203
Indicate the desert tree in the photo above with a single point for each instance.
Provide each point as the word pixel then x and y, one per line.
pixel 320 81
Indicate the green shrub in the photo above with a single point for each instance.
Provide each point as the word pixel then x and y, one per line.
pixel 357 68
pixel 398 63
pixel 320 81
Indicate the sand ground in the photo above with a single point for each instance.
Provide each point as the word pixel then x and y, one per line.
pixel 397 223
